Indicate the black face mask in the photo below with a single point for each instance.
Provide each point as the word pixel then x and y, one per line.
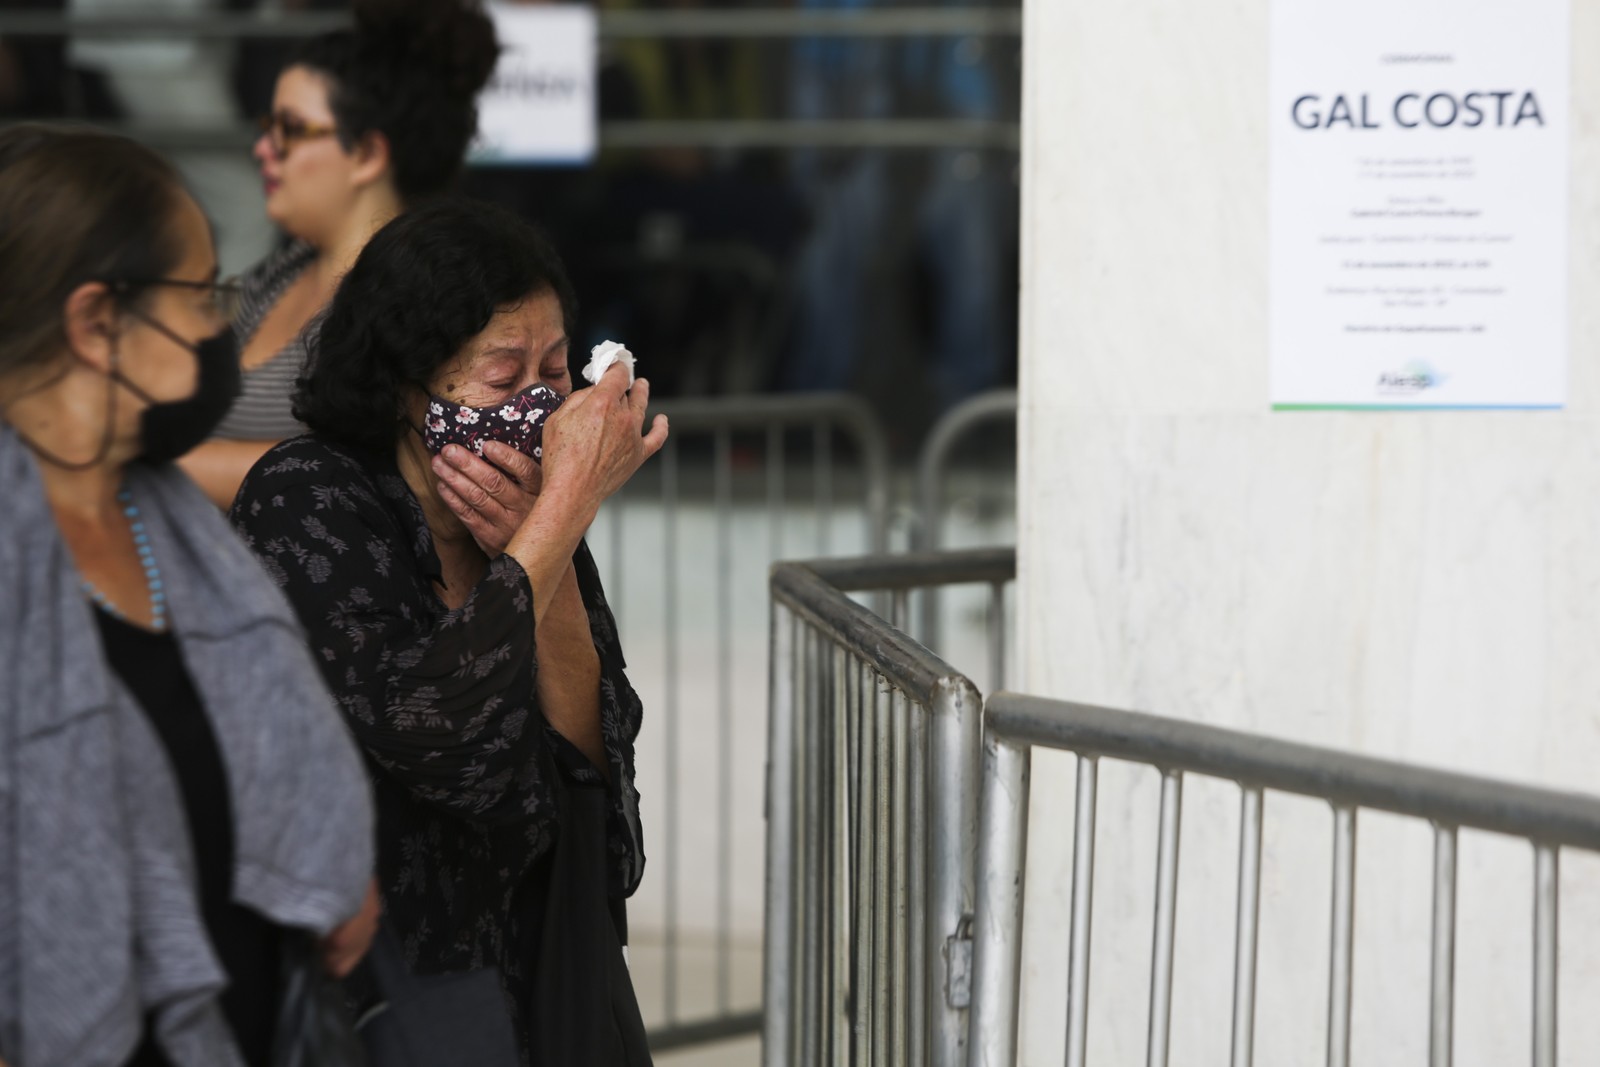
pixel 170 428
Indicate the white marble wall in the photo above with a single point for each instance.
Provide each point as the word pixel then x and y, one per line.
pixel 1421 586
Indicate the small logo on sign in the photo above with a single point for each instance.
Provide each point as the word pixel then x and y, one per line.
pixel 1415 377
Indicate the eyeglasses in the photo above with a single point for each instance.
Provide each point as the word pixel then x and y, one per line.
pixel 225 296
pixel 285 131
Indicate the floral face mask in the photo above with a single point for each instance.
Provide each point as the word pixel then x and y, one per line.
pixel 519 422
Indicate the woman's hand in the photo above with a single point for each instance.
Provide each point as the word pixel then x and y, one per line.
pixel 490 498
pixel 592 446
pixel 343 948
pixel 593 442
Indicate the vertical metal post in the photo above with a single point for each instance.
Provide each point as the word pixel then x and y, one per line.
pixel 1546 927
pixel 812 1008
pixel 724 508
pixel 899 610
pixel 1246 926
pixel 882 919
pixel 1082 913
pixel 669 507
pixel 997 948
pixel 917 876
pixel 778 936
pixel 1166 915
pixel 1442 994
pixel 835 842
pixel 997 636
pixel 900 711
pixel 952 854
pixel 861 881
pixel 1342 947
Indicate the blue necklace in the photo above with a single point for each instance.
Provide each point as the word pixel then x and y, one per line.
pixel 147 560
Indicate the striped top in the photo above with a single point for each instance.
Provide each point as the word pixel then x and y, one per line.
pixel 262 412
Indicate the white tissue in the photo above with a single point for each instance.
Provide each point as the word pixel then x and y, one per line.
pixel 602 356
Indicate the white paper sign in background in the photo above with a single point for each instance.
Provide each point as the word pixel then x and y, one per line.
pixel 1419 153
pixel 540 106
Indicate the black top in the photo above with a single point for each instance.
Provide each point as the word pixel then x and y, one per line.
pixel 465 766
pixel 152 668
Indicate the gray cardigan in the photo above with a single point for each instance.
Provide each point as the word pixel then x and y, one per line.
pixel 99 918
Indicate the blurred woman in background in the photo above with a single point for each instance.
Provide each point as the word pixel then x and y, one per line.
pixel 365 123
pixel 177 792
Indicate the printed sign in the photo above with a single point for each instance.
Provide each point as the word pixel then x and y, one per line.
pixel 1419 156
pixel 540 105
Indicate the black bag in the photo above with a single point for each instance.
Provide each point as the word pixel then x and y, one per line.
pixel 314 1026
pixel 445 1020
pixel 584 1010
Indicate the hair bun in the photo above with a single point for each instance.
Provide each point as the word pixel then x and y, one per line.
pixel 453 40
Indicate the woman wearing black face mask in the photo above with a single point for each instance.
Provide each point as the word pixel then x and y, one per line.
pixel 176 791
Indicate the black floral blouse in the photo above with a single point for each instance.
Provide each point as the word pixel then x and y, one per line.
pixel 443 704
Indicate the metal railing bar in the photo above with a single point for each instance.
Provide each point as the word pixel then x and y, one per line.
pixel 1164 936
pixel 995 406
pixel 756 23
pixel 1247 923
pixel 899 609
pixel 723 493
pixel 208 25
pixel 843 412
pixel 882 919
pixel 956 725
pixel 997 635
pixel 1082 912
pixel 1546 930
pixel 917 878
pixel 1442 983
pixel 778 935
pixel 837 841
pixel 625 135
pixel 812 1010
pixel 906 134
pixel 848 789
pixel 1341 949
pixel 860 937
pixel 906 664
pixel 804 680
pixel 669 515
pixel 1565 819
pixel 901 712
pixel 911 570
pixel 997 947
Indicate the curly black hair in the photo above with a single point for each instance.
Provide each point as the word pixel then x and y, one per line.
pixel 425 285
pixel 410 70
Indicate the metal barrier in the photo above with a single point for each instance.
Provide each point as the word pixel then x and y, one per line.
pixel 872 818
pixel 1014 724
pixel 697 469
pixel 774 23
pixel 933 469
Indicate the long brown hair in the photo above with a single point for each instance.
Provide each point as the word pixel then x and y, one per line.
pixel 75 206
